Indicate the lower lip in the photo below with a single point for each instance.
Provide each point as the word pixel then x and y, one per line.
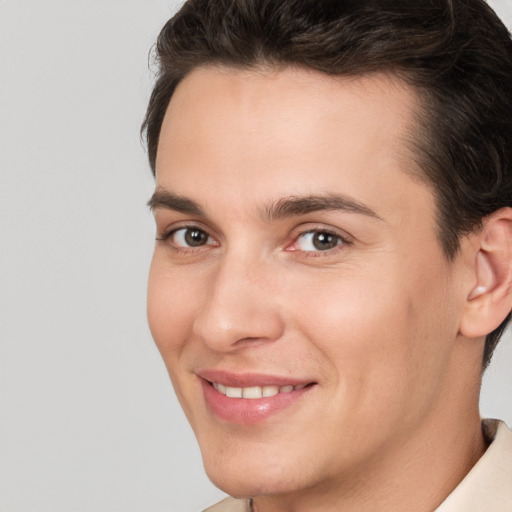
pixel 248 411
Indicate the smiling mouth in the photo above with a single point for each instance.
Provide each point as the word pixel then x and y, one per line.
pixel 250 399
pixel 255 392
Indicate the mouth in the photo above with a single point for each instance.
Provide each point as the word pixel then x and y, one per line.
pixel 250 399
pixel 255 392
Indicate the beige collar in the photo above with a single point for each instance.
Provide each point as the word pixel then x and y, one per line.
pixel 488 486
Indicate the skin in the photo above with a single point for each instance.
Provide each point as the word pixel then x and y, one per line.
pixel 392 423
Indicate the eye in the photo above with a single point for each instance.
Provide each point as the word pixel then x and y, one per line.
pixel 190 237
pixel 317 241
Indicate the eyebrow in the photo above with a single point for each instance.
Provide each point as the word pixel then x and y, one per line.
pixel 302 205
pixel 293 206
pixel 168 200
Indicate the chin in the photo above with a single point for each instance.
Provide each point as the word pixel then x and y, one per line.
pixel 240 487
pixel 249 478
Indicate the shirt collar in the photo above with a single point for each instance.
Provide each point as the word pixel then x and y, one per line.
pixel 488 486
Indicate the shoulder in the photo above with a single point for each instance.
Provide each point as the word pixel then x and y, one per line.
pixel 230 505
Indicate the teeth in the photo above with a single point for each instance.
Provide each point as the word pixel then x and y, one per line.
pixel 254 391
pixel 270 390
pixel 234 392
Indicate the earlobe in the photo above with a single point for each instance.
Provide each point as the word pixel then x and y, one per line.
pixel 490 299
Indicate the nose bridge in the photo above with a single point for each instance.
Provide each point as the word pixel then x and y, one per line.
pixel 238 304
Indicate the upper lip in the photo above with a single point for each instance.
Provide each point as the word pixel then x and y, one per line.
pixel 245 380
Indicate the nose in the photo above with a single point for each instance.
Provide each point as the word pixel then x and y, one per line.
pixel 239 306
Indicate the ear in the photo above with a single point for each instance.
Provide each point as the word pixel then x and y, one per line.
pixel 489 299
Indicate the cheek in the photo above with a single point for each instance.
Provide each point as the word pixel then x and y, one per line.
pixel 172 301
pixel 170 308
pixel 362 331
pixel 385 340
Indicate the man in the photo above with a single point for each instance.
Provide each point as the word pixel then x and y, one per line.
pixel 333 264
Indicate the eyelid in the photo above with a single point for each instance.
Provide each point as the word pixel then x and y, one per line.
pixel 344 237
pixel 167 234
pixel 171 227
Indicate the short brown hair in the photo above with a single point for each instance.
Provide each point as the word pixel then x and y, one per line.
pixel 456 53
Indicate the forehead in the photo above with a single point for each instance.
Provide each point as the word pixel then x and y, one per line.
pixel 267 133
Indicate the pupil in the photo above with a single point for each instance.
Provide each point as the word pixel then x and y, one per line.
pixel 195 237
pixel 324 241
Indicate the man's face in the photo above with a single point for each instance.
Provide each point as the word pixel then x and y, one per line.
pixel 298 250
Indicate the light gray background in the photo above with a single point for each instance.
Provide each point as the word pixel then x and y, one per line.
pixel 89 422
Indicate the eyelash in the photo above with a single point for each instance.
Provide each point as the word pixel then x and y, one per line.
pixel 166 237
pixel 342 241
